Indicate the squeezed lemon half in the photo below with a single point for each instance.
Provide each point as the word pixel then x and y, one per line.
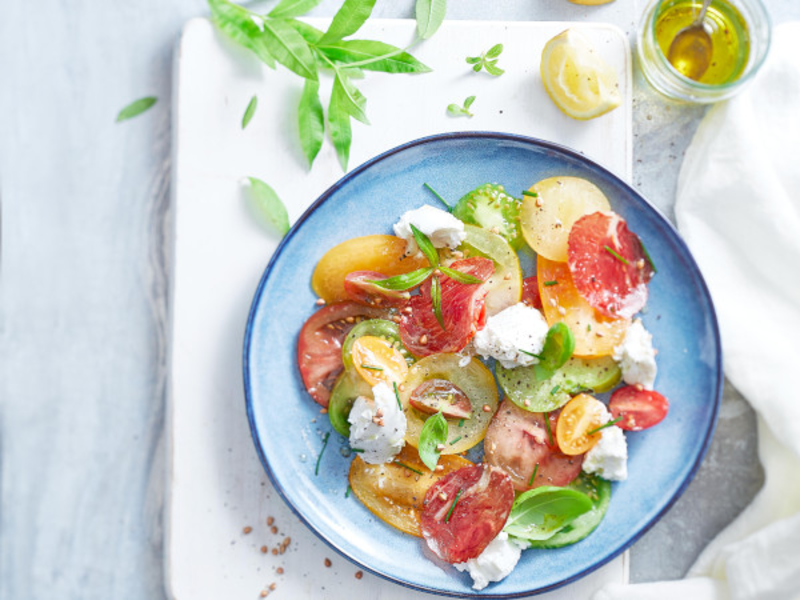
pixel 576 77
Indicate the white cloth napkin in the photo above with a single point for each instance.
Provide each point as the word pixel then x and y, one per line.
pixel 738 207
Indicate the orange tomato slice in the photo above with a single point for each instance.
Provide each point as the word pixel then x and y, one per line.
pixel 377 361
pixel 579 416
pixel 381 253
pixel 595 334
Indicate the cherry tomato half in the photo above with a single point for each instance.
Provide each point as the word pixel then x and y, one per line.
pixel 377 361
pixel 639 408
pixel 579 416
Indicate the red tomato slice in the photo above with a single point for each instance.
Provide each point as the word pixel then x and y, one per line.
pixel 530 293
pixel 464 511
pixel 359 289
pixel 517 441
pixel 319 347
pixel 463 311
pixel 639 408
pixel 608 264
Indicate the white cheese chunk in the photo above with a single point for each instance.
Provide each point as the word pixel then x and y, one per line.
pixel 377 426
pixel 493 564
pixel 636 356
pixel 609 457
pixel 516 328
pixel 442 228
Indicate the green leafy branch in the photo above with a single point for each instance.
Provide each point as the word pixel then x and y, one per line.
pixel 487 61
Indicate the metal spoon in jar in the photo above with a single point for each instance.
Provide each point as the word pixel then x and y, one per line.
pixel 690 52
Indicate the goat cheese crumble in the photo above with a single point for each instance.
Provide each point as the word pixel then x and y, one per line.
pixel 505 334
pixel 636 356
pixel 377 426
pixel 493 564
pixel 442 228
pixel 609 457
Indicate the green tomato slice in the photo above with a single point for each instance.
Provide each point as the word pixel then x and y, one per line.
pixel 490 207
pixel 529 392
pixel 599 492
pixel 349 386
pixel 378 328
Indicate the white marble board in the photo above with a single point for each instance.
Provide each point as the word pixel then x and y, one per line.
pixel 217 486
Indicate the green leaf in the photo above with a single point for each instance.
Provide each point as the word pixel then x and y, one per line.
pixel 456 110
pixel 136 108
pixel 405 281
pixel 478 67
pixel 468 102
pixel 249 111
pixel 373 56
pixel 425 246
pixel 310 33
pixel 492 69
pixel 353 102
pixel 436 300
pixel 349 19
pixel 339 126
pixel 540 513
pixel 473 60
pixel 430 15
pixel 292 8
pixel 238 24
pixel 433 433
pixel 460 277
pixel 268 205
pixel 558 347
pixel 494 51
pixel 289 48
pixel 311 121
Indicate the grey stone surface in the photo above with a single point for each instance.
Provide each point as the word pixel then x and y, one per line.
pixel 84 295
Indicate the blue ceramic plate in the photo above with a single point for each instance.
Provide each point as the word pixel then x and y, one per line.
pixel 288 428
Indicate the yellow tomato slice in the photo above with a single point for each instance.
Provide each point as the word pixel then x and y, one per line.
pixel 394 491
pixel 377 361
pixel 595 334
pixel 547 218
pixel 579 416
pixel 381 253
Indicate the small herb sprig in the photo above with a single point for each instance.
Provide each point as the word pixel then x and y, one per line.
pixel 487 61
pixel 408 281
pixel 249 111
pixel 137 107
pixel 462 111
pixel 604 425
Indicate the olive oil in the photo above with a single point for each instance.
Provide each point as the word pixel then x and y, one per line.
pixel 724 24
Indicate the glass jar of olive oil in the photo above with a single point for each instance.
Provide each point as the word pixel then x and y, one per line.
pixel 736 42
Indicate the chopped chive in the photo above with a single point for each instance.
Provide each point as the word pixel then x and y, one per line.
pixel 397 395
pixel 647 256
pixel 456 439
pixel 405 466
pixel 554 390
pixel 547 426
pixel 438 196
pixel 615 255
pixel 324 445
pixel 453 505
pixel 529 193
pixel 347 493
pixel 539 356
pixel 371 368
pixel 589 327
pixel 549 283
pixel 356 449
pixel 604 425
pixel 533 475
pixel 461 423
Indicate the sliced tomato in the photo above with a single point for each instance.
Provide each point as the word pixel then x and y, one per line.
pixel 376 360
pixel 465 511
pixel 530 292
pixel 579 418
pixel 319 347
pixel 463 311
pixel 440 395
pixel 359 289
pixel 639 408
pixel 517 441
pixel 608 264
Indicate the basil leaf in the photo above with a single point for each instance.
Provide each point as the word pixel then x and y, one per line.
pixel 430 15
pixel 425 246
pixel 494 51
pixel 460 277
pixel 353 101
pixel 292 8
pixel 433 433
pixel 492 69
pixel 558 347
pixel 403 282
pixel 309 33
pixel 249 111
pixel 135 108
pixel 238 24
pixel 339 126
pixel 436 300
pixel 268 205
pixel 311 121
pixel 540 513
pixel 374 56
pixel 349 19
pixel 289 48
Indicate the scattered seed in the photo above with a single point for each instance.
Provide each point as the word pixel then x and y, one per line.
pixel 442 496
pixel 247 530
pixel 328 562
pixel 323 411
pixel 507 276
pixel 270 521
pixel 274 529
pixel 539 202
pixel 264 593
pixel 487 408
pixel 424 339
pixel 439 468
pixel 274 552
pixel 279 570
pixel 272 586
pixel 320 302
pixel 359 574
pixel 263 549
pixel 562 311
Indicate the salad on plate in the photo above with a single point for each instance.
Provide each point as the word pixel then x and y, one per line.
pixel 475 396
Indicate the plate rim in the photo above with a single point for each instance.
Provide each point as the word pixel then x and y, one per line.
pixel 718 380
